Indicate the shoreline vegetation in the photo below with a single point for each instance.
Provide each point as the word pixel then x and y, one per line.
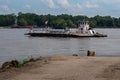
pixel 28 27
pixel 62 67
pixel 17 64
pixel 56 21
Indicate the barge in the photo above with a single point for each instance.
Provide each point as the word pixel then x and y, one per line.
pixel 83 30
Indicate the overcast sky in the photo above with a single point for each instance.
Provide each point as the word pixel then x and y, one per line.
pixel 73 7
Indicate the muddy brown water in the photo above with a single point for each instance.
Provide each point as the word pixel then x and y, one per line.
pixel 15 45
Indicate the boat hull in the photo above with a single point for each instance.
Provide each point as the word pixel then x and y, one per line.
pixel 64 35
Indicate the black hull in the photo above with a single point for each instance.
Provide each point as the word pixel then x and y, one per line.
pixel 63 35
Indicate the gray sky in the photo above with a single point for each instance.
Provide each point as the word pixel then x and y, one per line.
pixel 73 7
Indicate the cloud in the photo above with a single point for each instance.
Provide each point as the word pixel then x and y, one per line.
pixel 13 10
pixel 78 6
pixel 108 1
pixel 4 8
pixel 64 3
pixel 73 7
pixel 90 5
pixel 7 1
pixel 49 3
pixel 27 6
pixel 7 9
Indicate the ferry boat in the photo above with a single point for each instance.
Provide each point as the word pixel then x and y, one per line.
pixel 83 30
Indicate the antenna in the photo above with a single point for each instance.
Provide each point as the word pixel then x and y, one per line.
pixel 113 22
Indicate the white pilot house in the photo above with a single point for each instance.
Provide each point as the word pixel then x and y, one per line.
pixel 83 28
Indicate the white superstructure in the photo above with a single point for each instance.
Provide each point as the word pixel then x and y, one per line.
pixel 84 28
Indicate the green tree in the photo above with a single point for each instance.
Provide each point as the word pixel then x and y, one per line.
pixel 60 23
pixel 92 22
pixel 70 24
pixel 22 22
pixel 7 20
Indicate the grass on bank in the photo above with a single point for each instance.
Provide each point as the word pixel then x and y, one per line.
pixel 16 63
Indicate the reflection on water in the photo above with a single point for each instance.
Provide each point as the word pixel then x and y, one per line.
pixel 52 46
pixel 15 45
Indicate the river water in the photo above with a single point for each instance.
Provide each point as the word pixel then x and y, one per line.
pixel 15 45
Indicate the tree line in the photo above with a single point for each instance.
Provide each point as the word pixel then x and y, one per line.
pixel 7 20
pixel 58 21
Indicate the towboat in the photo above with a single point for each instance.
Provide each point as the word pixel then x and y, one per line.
pixel 83 30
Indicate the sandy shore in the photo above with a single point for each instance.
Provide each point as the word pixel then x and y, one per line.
pixel 61 67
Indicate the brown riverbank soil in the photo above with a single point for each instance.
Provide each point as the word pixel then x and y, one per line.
pixel 67 68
